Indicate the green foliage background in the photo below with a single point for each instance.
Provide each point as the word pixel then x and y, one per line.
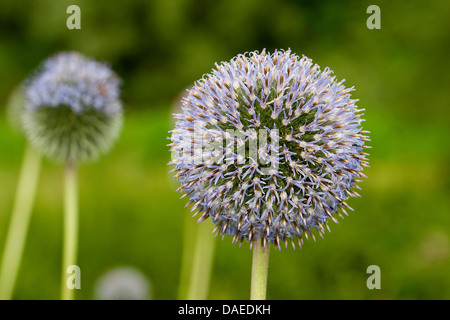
pixel 130 212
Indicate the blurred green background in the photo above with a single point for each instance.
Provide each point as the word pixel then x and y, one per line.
pixel 130 211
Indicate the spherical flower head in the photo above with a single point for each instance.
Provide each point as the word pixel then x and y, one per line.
pixel 122 283
pixel 72 109
pixel 269 147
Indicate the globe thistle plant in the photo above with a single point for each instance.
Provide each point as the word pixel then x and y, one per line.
pixel 270 147
pixel 122 283
pixel 72 109
pixel 72 114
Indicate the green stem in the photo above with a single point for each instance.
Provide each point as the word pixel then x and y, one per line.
pixel 189 232
pixel 202 263
pixel 20 218
pixel 260 266
pixel 70 228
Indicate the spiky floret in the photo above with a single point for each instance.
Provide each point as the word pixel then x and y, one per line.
pixel 72 109
pixel 284 189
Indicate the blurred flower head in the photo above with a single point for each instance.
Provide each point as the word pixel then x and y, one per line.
pixel 72 109
pixel 122 283
pixel 269 146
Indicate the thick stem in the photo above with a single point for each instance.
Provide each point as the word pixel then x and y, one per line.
pixel 70 228
pixel 20 218
pixel 202 263
pixel 260 266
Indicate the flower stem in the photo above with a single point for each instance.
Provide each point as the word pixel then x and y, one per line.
pixel 202 263
pixel 20 218
pixel 189 232
pixel 70 227
pixel 260 268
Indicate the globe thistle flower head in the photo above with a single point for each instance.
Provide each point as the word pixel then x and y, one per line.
pixel 270 147
pixel 72 109
pixel 122 283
